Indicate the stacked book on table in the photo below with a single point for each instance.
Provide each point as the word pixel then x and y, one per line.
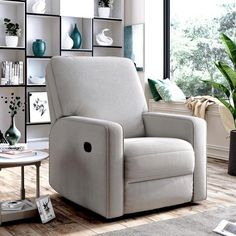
pixel 16 151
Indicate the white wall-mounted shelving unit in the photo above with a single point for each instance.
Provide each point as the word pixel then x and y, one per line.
pixel 52 26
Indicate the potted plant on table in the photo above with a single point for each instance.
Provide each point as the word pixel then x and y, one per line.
pixel 12 33
pixel 104 8
pixel 229 91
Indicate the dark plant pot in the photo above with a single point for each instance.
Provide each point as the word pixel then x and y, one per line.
pixel 39 47
pixel 232 153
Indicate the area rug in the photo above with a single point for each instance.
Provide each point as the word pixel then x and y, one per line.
pixel 200 224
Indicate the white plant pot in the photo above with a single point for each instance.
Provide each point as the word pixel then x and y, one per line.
pixel 67 42
pixel 11 41
pixel 104 12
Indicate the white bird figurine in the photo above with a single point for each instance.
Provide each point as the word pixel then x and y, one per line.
pixel 102 39
pixel 39 7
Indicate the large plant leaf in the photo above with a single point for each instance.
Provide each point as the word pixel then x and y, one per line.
pixel 229 106
pixel 228 73
pixel 222 68
pixel 218 86
pixel 230 47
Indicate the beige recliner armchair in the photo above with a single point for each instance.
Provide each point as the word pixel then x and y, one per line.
pixel 107 153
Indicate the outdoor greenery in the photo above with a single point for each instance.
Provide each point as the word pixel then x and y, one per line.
pixel 229 73
pixel 195 46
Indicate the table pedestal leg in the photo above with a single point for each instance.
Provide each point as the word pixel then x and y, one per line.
pixel 22 183
pixel 37 180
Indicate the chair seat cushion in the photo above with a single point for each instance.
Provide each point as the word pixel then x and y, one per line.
pixel 157 158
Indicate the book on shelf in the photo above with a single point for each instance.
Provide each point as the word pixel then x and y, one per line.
pixel 12 73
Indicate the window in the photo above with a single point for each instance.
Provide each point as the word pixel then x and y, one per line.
pixel 194 28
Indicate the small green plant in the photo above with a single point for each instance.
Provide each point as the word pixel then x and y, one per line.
pixel 105 3
pixel 229 73
pixel 12 29
pixel 15 104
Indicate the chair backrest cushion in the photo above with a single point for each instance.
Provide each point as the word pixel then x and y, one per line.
pixel 98 87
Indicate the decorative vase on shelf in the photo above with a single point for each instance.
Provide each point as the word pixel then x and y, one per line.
pixel 67 42
pixel 104 12
pixel 12 135
pixel 102 39
pixel 39 7
pixel 11 41
pixel 39 47
pixel 76 37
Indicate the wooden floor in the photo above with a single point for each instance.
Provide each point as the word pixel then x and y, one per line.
pixel 74 220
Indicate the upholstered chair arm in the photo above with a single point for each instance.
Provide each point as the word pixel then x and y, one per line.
pixel 88 154
pixel 191 129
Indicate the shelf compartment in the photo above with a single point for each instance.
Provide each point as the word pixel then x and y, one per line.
pixel 115 32
pixel 15 11
pixel 52 7
pixel 12 55
pixel 77 8
pixel 48 29
pixel 4 108
pixel 36 68
pixel 116 11
pixel 84 26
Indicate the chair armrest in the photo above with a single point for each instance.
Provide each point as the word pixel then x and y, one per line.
pixel 92 179
pixel 191 129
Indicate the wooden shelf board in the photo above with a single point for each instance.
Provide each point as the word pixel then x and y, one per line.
pixel 36 85
pixel 101 46
pixel 12 48
pixel 107 19
pixel 16 2
pixel 13 86
pixel 42 15
pixel 43 57
pixel 38 123
pixel 76 50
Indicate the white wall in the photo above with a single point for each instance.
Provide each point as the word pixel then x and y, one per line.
pixel 149 12
pixel 134 12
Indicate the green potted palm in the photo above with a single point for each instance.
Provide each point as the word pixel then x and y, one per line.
pixel 104 8
pixel 12 33
pixel 229 94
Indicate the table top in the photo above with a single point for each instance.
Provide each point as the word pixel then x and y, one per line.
pixel 28 160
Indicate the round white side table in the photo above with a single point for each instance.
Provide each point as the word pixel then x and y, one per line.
pixel 30 208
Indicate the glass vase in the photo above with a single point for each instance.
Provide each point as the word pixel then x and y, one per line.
pixel 12 135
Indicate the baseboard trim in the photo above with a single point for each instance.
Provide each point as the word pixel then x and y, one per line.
pixel 218 152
